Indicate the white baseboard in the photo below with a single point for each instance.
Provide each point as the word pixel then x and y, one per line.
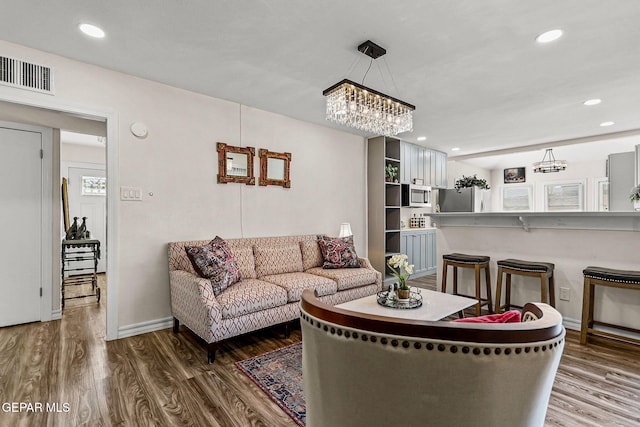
pixel 571 324
pixel 144 327
pixel 56 314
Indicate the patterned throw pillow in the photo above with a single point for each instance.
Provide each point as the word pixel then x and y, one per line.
pixel 215 262
pixel 338 252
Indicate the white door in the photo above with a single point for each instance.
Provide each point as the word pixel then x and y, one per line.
pixel 20 226
pixel 86 199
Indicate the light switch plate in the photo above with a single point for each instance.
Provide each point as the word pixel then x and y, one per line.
pixel 131 194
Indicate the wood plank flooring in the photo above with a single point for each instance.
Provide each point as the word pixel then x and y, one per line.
pixel 162 379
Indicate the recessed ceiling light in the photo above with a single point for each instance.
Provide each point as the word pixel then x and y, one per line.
pixel 607 123
pixel 92 31
pixel 549 36
pixel 594 101
pixel 455 149
pixel 421 138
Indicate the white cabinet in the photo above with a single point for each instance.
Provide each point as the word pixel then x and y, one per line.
pixel 420 247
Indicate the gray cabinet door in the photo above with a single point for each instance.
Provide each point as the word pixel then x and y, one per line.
pixel 432 262
pixel 426 166
pixel 414 161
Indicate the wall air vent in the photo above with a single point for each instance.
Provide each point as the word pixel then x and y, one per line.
pixel 25 75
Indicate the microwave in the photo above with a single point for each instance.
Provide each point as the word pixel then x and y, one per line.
pixel 416 196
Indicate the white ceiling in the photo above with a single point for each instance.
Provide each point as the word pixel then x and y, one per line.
pixel 472 68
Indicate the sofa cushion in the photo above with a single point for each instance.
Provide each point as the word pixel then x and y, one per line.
pixel 346 278
pixel 277 259
pixel 311 254
pixel 338 252
pixel 246 261
pixel 295 283
pixel 249 296
pixel 214 261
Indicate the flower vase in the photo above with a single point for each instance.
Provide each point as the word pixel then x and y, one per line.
pixel 636 205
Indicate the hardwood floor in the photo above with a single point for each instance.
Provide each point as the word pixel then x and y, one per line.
pixel 163 379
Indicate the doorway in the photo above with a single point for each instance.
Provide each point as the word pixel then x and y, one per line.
pixel 54 112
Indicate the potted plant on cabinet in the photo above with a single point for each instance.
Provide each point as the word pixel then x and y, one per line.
pixel 471 181
pixel 391 173
pixel 635 197
pixel 401 269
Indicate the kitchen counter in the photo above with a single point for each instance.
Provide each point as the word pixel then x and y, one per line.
pixel 570 240
pixel 615 221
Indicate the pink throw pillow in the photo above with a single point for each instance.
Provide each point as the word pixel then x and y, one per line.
pixel 512 316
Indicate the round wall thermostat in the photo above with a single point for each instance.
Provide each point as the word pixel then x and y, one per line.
pixel 139 129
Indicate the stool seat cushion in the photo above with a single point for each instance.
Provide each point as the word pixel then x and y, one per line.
pixel 535 267
pixel 611 275
pixel 466 259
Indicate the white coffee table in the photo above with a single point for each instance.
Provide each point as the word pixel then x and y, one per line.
pixel 435 306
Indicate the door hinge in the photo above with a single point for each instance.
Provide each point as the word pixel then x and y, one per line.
pixel 41 153
pixel 40 291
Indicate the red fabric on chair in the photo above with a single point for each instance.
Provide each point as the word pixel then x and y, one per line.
pixel 512 316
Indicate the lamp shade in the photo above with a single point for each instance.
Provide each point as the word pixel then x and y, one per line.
pixel 345 230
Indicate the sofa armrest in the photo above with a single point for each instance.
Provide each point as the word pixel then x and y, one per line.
pixel 194 304
pixel 365 263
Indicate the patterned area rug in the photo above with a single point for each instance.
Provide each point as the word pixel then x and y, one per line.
pixel 279 374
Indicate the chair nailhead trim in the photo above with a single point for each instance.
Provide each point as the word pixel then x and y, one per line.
pixel 430 346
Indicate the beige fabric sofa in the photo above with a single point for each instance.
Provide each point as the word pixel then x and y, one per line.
pixel 275 271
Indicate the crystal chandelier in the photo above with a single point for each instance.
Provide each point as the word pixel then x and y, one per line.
pixel 549 163
pixel 360 107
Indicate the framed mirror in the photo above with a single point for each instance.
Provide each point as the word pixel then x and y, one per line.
pixel 274 168
pixel 235 164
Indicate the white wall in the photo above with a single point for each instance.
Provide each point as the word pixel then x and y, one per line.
pixel 586 171
pixel 570 250
pixel 177 163
pixel 82 154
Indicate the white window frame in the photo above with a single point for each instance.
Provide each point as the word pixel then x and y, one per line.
pixel 597 195
pixel 527 187
pixel 581 194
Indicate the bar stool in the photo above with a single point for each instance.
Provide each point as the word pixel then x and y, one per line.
pixel 543 270
pixel 477 262
pixel 605 277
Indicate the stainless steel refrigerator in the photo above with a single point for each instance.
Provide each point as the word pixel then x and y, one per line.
pixel 471 199
pixel 621 173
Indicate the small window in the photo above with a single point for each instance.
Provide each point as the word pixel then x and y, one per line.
pixel 564 196
pixel 94 186
pixel 517 198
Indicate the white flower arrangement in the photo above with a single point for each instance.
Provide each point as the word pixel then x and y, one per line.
pixel 401 269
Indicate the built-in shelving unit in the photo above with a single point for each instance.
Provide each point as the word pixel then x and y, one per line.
pixel 385 200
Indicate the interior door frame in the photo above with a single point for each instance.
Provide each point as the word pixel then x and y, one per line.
pixel 110 117
pixel 46 225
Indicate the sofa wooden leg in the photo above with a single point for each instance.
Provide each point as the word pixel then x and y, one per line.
pixel 176 325
pixel 211 352
pixel 287 330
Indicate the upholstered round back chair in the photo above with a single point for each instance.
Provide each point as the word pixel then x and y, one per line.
pixel 365 370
